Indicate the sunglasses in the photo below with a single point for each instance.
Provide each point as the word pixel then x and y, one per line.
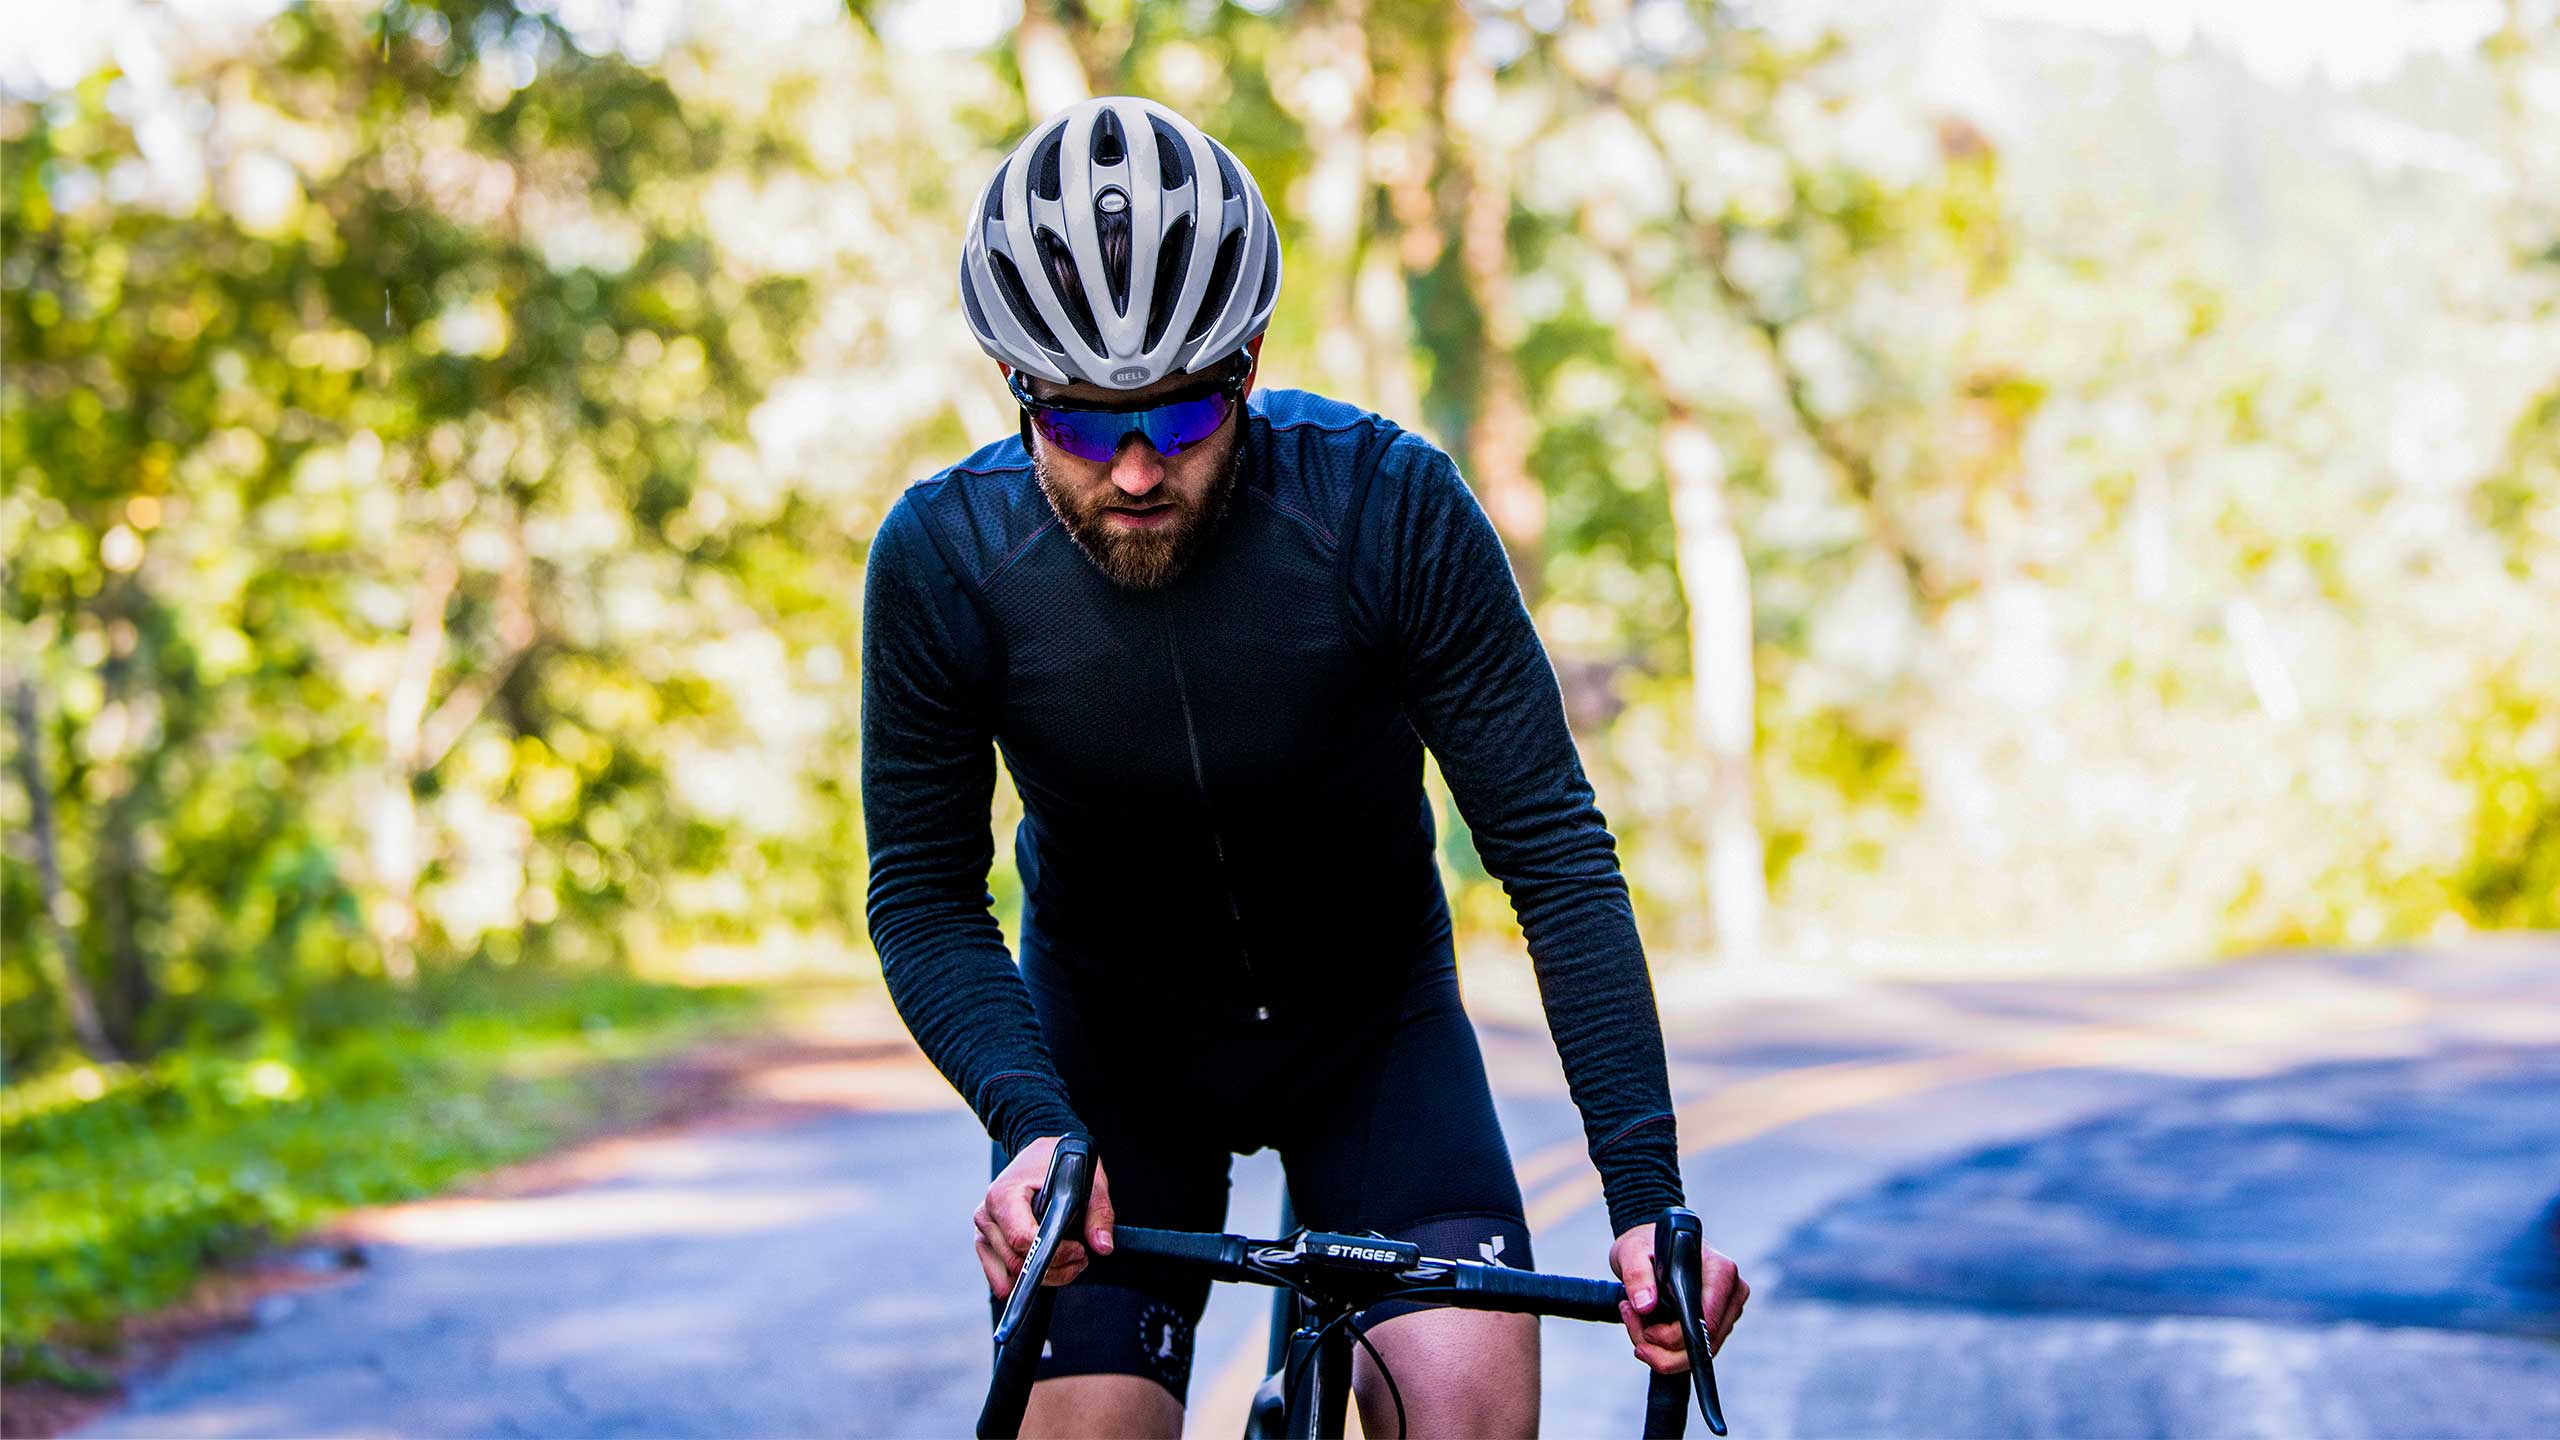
pixel 1172 424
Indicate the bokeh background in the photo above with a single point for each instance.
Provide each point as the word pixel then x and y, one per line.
pixel 2008 485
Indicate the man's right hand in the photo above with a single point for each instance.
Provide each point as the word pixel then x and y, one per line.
pixel 1007 1226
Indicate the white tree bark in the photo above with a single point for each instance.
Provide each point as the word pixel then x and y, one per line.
pixel 77 1004
pixel 1716 580
pixel 1052 77
pixel 418 741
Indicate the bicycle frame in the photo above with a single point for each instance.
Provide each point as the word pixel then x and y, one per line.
pixel 1308 1391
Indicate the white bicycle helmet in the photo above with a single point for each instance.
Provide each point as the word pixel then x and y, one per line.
pixel 1118 245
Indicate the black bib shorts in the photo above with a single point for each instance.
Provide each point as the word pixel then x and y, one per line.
pixel 1380 1112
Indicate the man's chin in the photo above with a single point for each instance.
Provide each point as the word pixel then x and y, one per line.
pixel 1144 557
pixel 1134 560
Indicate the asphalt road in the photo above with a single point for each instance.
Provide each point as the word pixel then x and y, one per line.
pixel 2303 1196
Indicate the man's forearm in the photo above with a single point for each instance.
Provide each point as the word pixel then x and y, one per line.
pixel 1600 1007
pixel 971 1016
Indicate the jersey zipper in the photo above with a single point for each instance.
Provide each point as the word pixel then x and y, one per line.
pixel 1217 840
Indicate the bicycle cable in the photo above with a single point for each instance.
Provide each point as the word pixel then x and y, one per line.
pixel 1288 1378
pixel 1362 1335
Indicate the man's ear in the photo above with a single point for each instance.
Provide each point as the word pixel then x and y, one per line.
pixel 1253 347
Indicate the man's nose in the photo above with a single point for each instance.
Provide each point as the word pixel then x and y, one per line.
pixel 1137 468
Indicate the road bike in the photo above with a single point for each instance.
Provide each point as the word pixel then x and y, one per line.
pixel 1327 1280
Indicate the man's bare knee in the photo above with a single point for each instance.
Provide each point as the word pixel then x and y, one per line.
pixel 1102 1407
pixel 1460 1372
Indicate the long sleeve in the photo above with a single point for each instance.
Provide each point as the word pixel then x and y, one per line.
pixel 1482 694
pixel 928 778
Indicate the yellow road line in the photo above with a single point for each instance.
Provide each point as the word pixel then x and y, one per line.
pixel 1748 1109
pixel 2203 1035
pixel 2207 1035
pixel 1735 1112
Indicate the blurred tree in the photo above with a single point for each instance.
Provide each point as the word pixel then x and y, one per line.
pixel 62 953
pixel 362 425
pixel 441 441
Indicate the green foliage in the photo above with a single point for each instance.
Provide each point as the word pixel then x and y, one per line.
pixel 437 479
pixel 126 1182
pixel 442 337
pixel 2509 877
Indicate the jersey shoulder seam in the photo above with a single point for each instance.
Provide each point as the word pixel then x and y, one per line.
pixel 1351 424
pixel 1301 516
pixel 1020 549
pixel 980 585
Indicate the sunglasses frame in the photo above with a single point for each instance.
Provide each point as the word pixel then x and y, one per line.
pixel 1231 383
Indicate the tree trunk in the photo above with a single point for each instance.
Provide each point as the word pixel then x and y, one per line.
pixel 394 845
pixel 1716 580
pixel 1337 195
pixel 64 970
pixel 119 887
pixel 1500 431
pixel 1053 77
pixel 418 741
pixel 1405 41
pixel 117 880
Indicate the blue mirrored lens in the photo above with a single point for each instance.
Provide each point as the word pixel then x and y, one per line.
pixel 1171 429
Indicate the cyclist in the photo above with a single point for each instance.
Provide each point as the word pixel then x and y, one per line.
pixel 1212 631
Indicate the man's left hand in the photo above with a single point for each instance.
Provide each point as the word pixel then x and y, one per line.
pixel 1659 1344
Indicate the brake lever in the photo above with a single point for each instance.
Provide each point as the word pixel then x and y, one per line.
pixel 1024 1327
pixel 1070 1177
pixel 1679 1254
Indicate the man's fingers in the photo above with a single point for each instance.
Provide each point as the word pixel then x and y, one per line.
pixel 1668 1359
pixel 1717 1282
pixel 1666 1362
pixel 1732 1314
pixel 1722 1304
pixel 1665 1333
pixel 1098 1216
pixel 996 1257
pixel 1011 1207
pixel 1065 1263
pixel 999 1278
pixel 1660 1337
pixel 998 1254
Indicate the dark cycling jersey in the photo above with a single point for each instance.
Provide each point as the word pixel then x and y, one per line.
pixel 1221 780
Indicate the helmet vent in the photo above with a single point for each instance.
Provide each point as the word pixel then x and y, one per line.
pixel 1270 270
pixel 1018 300
pixel 1060 262
pixel 977 315
pixel 1044 166
pixel 1173 158
pixel 1227 171
pixel 1222 280
pixel 995 193
pixel 1173 266
pixel 1111 223
pixel 1110 147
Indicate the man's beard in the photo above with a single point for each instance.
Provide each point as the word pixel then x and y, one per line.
pixel 1147 559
